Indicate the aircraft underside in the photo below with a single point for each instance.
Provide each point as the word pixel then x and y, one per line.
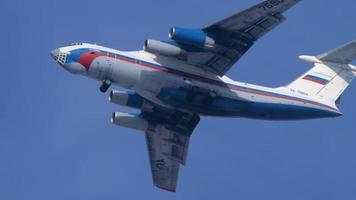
pixel 209 104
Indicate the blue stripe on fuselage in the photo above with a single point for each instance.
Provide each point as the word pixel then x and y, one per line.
pixel 75 55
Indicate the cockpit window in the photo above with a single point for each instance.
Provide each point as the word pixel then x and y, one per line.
pixel 76 44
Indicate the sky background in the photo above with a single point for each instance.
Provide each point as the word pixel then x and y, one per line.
pixel 57 142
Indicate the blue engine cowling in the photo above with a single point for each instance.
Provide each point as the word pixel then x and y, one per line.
pixel 194 37
pixel 164 48
pixel 129 99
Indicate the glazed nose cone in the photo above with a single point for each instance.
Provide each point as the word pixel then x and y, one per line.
pixel 54 54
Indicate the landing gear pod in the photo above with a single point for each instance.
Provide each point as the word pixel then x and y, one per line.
pixel 209 95
pixel 192 93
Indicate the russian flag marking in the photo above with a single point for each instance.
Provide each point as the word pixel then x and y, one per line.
pixel 316 79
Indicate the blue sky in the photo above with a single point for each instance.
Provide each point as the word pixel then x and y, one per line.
pixel 56 140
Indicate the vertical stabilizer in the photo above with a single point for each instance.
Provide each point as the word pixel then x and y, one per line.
pixel 331 75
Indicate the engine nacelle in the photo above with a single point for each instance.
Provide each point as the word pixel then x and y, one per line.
pixel 194 37
pixel 132 100
pixel 164 49
pixel 129 121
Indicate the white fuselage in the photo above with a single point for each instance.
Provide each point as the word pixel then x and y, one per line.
pixel 165 81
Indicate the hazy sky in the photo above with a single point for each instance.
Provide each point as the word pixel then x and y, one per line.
pixel 56 140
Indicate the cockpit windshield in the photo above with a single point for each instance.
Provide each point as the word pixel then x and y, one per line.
pixel 76 44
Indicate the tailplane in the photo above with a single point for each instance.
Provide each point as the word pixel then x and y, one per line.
pixel 331 75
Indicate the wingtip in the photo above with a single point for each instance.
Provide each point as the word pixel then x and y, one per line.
pixel 166 189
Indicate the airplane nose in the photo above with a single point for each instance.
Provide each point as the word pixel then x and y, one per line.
pixel 54 54
pixel 59 56
pixel 64 59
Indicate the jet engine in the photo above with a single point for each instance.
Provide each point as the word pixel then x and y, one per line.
pixel 194 37
pixel 129 121
pixel 132 100
pixel 164 49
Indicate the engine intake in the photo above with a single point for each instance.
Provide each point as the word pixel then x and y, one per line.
pixel 164 49
pixel 129 121
pixel 194 37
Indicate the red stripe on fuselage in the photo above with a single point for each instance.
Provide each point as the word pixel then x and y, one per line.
pixel 87 58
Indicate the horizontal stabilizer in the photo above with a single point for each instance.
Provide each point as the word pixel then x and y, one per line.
pixel 343 55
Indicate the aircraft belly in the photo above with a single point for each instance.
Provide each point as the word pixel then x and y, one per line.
pixel 257 108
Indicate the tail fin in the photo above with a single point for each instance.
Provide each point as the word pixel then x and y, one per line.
pixel 331 75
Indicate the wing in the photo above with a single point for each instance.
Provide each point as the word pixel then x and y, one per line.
pixel 167 142
pixel 344 54
pixel 167 150
pixel 235 35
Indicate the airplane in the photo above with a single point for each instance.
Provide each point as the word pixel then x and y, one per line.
pixel 173 83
